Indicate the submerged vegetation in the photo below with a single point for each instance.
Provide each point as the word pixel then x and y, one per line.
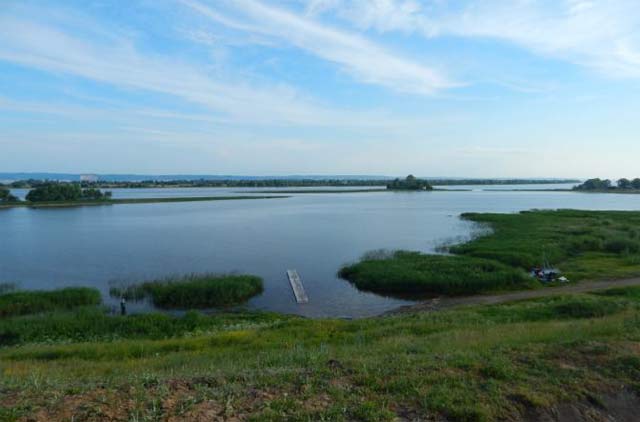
pixel 584 245
pixel 31 302
pixel 194 290
pixel 501 362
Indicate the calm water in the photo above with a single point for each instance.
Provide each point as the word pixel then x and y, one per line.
pixel 313 233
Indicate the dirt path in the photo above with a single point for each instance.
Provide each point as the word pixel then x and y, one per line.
pixel 441 303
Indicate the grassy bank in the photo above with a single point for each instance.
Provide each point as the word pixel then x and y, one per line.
pixel 471 364
pixel 31 302
pixel 194 291
pixel 83 203
pixel 585 245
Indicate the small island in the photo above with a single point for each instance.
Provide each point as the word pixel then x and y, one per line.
pixel 605 185
pixel 409 183
pixel 68 192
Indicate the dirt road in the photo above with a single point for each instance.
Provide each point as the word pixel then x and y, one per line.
pixel 441 303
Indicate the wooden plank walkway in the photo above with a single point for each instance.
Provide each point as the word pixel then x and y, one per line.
pixel 296 286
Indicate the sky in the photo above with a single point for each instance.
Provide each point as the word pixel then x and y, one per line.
pixel 482 88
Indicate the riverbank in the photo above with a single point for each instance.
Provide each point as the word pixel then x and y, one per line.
pixel 124 201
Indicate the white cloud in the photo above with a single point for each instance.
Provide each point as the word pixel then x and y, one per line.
pixel 368 62
pixel 600 34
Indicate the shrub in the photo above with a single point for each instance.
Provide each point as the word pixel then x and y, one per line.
pixel 622 245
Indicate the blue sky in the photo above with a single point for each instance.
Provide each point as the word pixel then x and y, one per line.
pixel 484 88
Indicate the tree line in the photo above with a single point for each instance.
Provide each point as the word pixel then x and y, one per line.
pixel 282 183
pixel 606 184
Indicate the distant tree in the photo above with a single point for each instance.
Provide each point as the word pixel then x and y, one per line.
pixel 595 184
pixel 409 183
pixel 624 184
pixel 6 196
pixel 53 191
pixel 635 183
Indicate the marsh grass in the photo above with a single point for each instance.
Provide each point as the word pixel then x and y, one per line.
pixel 406 272
pixel 35 301
pixel 195 291
pixel 584 245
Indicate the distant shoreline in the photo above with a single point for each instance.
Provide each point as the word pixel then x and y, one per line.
pixel 131 201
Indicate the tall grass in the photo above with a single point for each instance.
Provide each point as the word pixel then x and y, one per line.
pixel 530 238
pixel 194 290
pixel 31 302
pixel 415 273
pixel 94 324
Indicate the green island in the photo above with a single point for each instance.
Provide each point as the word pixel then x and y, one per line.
pixel 410 183
pixel 573 354
pixel 193 290
pixel 605 185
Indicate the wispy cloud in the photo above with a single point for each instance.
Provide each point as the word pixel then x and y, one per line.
pixel 52 49
pixel 600 34
pixel 366 61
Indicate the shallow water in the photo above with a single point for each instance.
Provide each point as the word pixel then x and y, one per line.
pixel 313 233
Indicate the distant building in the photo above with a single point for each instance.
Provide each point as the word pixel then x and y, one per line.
pixel 89 178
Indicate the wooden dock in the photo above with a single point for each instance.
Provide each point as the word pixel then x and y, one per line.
pixel 296 286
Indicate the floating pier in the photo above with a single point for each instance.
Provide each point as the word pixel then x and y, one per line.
pixel 296 286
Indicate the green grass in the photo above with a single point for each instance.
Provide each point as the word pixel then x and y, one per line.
pixel 584 245
pixel 470 364
pixel 80 203
pixel 30 302
pixel 194 290
pixel 414 273
pixel 94 324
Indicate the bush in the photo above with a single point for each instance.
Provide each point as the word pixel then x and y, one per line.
pixel 622 245
pixel 31 302
pixel 195 290
pixel 416 273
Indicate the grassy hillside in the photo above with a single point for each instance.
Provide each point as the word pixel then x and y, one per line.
pixel 469 364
